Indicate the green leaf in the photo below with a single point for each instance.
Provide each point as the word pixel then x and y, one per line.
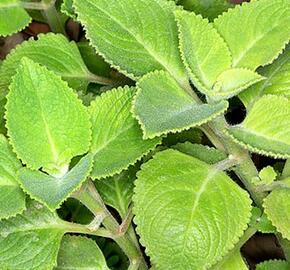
pixel 193 135
pixel 247 28
pixel 274 265
pixel 266 129
pixel 67 9
pixel 46 122
pixel 160 95
pixel 234 262
pixel 117 138
pixel 231 82
pixel 53 51
pixel 277 208
pixel 204 153
pixel 13 18
pixel 57 189
pixel 31 240
pixel 117 191
pixel 144 35
pixel 80 253
pixel 277 80
pixel 204 52
pixel 182 215
pixel 12 198
pixel 267 175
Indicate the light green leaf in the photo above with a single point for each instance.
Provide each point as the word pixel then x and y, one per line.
pixel 277 80
pixel 144 35
pixel 78 253
pixel 53 51
pixel 31 240
pixel 204 52
pixel 233 262
pixel 117 138
pixel 266 129
pixel 67 9
pixel 277 208
pixel 181 212
pixel 255 32
pixel 12 198
pixel 274 265
pixel 46 122
pixel 204 153
pixel 117 191
pixel 267 175
pixel 231 82
pixel 160 95
pixel 13 18
pixel 57 189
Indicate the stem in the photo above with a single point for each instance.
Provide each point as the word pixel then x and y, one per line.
pixel 89 197
pixel 101 80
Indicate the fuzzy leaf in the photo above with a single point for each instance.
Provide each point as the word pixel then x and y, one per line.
pixel 277 80
pixel 68 9
pixel 78 253
pixel 57 189
pixel 46 122
pixel 204 153
pixel 277 208
pixel 144 34
pixel 53 51
pixel 266 129
pixel 267 175
pixel 255 32
pixel 182 215
pixel 204 52
pixel 274 265
pixel 30 240
pixel 117 190
pixel 117 138
pixel 12 198
pixel 160 95
pixel 13 17
pixel 233 262
pixel 233 81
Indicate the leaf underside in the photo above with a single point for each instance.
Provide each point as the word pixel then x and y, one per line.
pixel 182 215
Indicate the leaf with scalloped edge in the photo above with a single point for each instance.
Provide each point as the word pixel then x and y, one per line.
pixel 57 189
pixel 78 253
pixel 255 32
pixel 266 129
pixel 233 262
pixel 53 51
pixel 136 37
pixel 277 80
pixel 182 215
pixel 277 209
pixel 13 17
pixel 204 52
pixel 274 265
pixel 12 198
pixel 205 153
pixel 162 106
pixel 42 106
pixel 68 9
pixel 117 138
pixel 31 240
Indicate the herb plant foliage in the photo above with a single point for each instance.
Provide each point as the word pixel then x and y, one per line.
pixel 115 150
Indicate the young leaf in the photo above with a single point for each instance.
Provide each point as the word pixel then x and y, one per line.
pixel 78 252
pixel 46 122
pixel 267 175
pixel 117 190
pixel 144 35
pixel 182 215
pixel 266 129
pixel 274 265
pixel 68 9
pixel 57 189
pixel 277 80
pixel 247 28
pixel 12 198
pixel 277 205
pixel 13 17
pixel 162 106
pixel 204 153
pixel 117 138
pixel 53 51
pixel 233 262
pixel 204 52
pixel 31 240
